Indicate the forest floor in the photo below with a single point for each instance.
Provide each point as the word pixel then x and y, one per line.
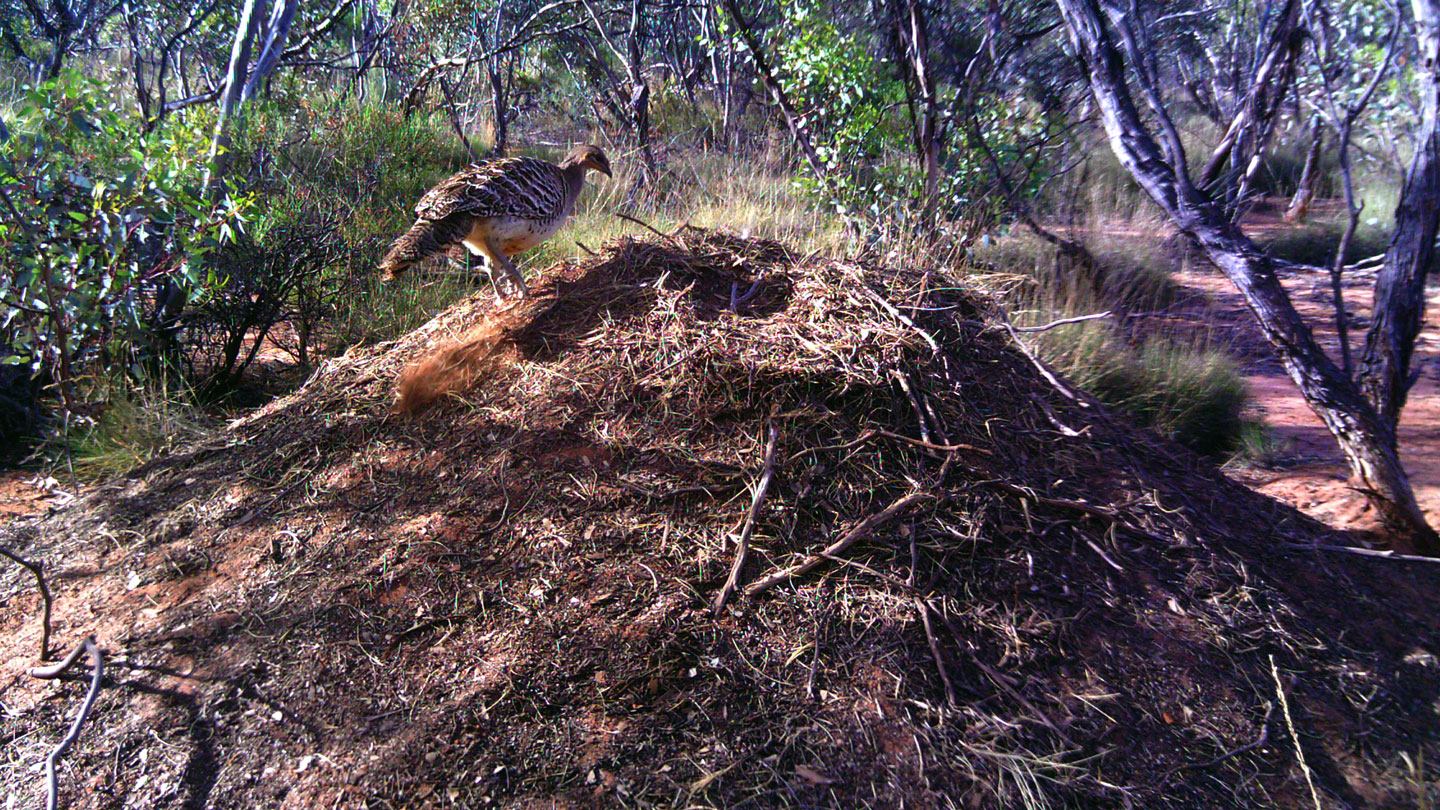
pixel 1308 470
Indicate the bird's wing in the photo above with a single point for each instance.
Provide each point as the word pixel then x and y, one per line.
pixel 520 187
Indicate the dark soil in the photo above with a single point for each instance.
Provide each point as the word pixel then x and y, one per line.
pixel 504 599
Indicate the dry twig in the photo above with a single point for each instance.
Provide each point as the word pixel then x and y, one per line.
pixel 669 237
pixel 862 529
pixel 873 434
pixel 1365 552
pixel 1250 746
pixel 1061 322
pixel 900 316
pixel 38 570
pixel 742 546
pixel 924 608
pixel 52 794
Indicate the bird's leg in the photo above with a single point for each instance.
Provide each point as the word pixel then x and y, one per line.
pixel 483 254
pixel 497 256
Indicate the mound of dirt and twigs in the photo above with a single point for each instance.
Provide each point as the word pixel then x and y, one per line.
pixel 963 584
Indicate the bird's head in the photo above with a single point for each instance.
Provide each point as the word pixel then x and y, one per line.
pixel 589 157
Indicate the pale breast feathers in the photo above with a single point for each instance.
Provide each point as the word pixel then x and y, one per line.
pixel 512 187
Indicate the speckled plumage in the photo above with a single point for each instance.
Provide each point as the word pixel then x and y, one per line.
pixel 495 209
pixel 521 187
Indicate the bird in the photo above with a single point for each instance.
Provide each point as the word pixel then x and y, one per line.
pixel 496 209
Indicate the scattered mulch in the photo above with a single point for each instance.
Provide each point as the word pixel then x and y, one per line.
pixel 494 587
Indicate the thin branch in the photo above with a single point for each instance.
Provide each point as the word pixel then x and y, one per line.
pixel 669 237
pixel 900 316
pixel 54 671
pixel 861 530
pixel 1250 746
pixel 1365 552
pixel 52 798
pixel 321 29
pixel 1047 327
pixel 38 570
pixel 924 608
pixel 873 434
pixel 742 546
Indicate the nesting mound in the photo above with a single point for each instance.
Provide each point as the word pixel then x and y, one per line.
pixel 966 587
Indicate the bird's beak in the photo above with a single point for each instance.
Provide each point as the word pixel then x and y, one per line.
pixel 606 171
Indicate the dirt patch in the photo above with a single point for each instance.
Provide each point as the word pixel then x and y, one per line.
pixel 1308 470
pixel 26 493
pixel 504 599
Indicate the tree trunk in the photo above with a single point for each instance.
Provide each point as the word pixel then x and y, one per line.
pixel 1305 192
pixel 1400 286
pixel 277 30
pixel 639 91
pixel 245 31
pixel 1250 130
pixel 499 105
pixel 1364 435
pixel 921 84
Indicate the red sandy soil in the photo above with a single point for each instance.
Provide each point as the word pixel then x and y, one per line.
pixel 26 492
pixel 1309 471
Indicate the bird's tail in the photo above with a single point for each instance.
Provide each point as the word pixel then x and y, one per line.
pixel 424 239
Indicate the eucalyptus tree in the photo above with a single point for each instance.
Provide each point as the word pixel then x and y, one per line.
pixel 1114 43
pixel 42 35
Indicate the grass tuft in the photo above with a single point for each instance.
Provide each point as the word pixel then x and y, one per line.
pixel 135 427
pixel 1182 386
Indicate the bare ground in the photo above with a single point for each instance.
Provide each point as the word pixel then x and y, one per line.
pixel 1308 470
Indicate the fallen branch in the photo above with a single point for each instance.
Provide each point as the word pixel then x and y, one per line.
pixel 1364 552
pixel 52 787
pixel 863 529
pixel 56 670
pixel 874 434
pixel 1042 367
pixel 1051 325
pixel 1079 506
pixel 37 570
pixel 742 546
pixel 904 382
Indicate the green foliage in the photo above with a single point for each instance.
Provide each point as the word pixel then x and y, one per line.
pixel 101 219
pixel 857 110
pixel 342 178
pixel 1181 386
pixel 1196 397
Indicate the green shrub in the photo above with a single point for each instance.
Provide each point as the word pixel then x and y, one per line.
pixel 356 172
pixel 105 230
pixel 1193 395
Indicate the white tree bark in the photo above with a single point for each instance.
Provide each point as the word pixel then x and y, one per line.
pixel 245 31
pixel 277 30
